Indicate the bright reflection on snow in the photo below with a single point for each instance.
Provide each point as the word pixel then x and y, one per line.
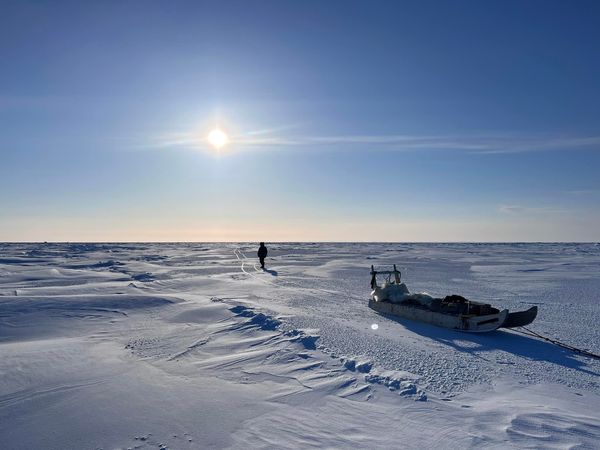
pixel 374 326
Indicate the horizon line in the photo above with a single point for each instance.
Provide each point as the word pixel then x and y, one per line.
pixel 300 242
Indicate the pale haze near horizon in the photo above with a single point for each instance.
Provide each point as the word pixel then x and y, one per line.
pixel 411 121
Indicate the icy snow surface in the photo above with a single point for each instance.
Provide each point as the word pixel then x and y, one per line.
pixel 184 346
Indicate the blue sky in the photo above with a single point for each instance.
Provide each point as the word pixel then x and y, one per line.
pixel 391 121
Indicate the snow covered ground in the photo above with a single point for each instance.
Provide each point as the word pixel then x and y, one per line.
pixel 187 346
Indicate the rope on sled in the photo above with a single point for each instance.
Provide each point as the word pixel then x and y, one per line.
pixel 529 332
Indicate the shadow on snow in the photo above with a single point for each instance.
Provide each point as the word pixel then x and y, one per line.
pixel 504 340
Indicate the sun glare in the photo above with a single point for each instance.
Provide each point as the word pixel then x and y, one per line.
pixel 217 138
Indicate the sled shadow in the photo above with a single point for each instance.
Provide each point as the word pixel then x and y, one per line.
pixel 478 344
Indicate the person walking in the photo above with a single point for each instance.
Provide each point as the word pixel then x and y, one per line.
pixel 262 254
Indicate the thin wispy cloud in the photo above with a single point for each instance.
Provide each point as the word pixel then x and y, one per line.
pixel 584 192
pixel 197 140
pixel 472 143
pixel 480 143
pixel 519 209
pixel 31 102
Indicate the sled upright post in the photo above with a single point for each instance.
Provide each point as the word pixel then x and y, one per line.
pixel 396 275
pixel 373 277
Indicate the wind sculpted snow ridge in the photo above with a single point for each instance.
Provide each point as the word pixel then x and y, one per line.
pixel 193 346
pixel 249 347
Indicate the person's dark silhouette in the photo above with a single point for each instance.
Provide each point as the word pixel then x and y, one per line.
pixel 262 254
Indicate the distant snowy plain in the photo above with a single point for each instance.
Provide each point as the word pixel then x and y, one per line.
pixel 188 346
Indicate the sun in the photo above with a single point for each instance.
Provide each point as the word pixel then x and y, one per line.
pixel 217 138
